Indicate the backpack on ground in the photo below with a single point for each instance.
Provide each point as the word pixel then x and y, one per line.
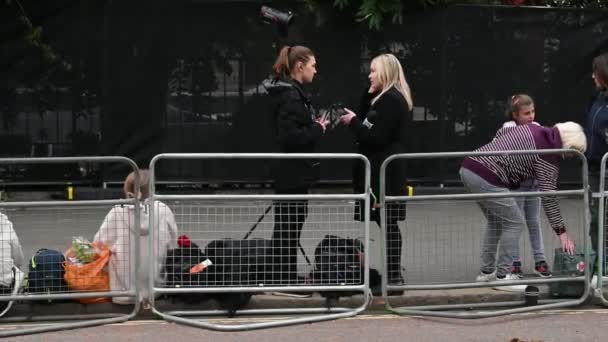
pixel 177 270
pixel 239 263
pixel 242 262
pixel 46 272
pixel 338 261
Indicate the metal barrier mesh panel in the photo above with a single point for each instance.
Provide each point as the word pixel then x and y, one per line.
pixel 443 240
pixel 106 262
pixel 295 243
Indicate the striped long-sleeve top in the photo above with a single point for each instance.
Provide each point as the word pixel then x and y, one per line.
pixel 510 170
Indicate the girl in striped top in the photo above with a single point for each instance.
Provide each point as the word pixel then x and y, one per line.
pixel 521 111
pixel 502 173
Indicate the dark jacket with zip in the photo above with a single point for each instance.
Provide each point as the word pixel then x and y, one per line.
pixel 596 131
pixel 386 137
pixel 295 132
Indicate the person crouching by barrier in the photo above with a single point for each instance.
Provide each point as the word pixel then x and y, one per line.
pixel 119 233
pixel 521 111
pixel 11 258
pixel 378 138
pixel 297 131
pixel 500 173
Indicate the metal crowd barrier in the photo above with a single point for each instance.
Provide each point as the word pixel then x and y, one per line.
pixel 602 265
pixel 441 231
pixel 59 221
pixel 221 227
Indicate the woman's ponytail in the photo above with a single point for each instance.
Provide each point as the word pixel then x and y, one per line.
pixel 287 59
pixel 281 65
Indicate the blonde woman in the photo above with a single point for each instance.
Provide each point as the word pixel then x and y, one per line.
pixel 380 132
pixel 118 231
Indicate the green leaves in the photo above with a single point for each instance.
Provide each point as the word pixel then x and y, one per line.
pixel 376 13
pixel 341 4
pixel 33 38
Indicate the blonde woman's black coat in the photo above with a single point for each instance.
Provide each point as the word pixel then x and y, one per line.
pixel 386 137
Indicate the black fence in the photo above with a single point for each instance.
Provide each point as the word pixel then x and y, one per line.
pixel 140 78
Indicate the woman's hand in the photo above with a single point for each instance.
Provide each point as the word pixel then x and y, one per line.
pixel 346 118
pixel 568 245
pixel 323 122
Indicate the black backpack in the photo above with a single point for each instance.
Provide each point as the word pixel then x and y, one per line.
pixel 338 261
pixel 241 262
pixel 178 263
pixel 46 272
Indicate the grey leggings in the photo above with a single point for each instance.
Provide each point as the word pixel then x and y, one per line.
pixel 530 207
pixel 505 223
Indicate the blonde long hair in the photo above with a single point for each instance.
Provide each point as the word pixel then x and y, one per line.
pixel 390 74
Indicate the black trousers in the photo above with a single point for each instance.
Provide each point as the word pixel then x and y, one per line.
pixel 289 218
pixel 394 243
pixel 395 212
pixel 594 184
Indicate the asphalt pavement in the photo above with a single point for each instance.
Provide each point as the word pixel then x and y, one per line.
pixel 555 326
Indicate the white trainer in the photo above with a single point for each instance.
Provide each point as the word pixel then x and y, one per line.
pixel 486 276
pixel 510 288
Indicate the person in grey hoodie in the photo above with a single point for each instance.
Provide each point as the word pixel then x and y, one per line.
pixel 119 233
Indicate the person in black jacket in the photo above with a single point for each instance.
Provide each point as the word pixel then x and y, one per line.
pixel 380 133
pixel 297 131
pixel 597 138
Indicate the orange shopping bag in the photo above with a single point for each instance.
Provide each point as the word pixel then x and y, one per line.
pixel 90 277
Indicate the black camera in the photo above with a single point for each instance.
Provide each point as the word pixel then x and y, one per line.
pixel 337 109
pixel 333 113
pixel 274 16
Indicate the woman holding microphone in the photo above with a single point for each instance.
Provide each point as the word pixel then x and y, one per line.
pixel 380 133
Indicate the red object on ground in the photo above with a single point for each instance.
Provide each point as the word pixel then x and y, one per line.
pixel 183 241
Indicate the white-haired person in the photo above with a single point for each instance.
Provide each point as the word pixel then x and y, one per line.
pixel 380 131
pixel 118 231
pixel 502 173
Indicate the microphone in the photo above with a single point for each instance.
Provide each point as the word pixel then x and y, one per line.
pixel 370 119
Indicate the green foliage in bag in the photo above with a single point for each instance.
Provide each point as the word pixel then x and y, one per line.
pixel 83 249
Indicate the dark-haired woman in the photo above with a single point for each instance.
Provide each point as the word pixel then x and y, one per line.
pixel 298 130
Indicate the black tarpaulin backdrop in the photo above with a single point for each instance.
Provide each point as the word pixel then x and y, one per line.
pixel 144 78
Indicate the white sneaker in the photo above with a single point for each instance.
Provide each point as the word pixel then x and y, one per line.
pixel 19 276
pixel 510 288
pixel 594 282
pixel 486 276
